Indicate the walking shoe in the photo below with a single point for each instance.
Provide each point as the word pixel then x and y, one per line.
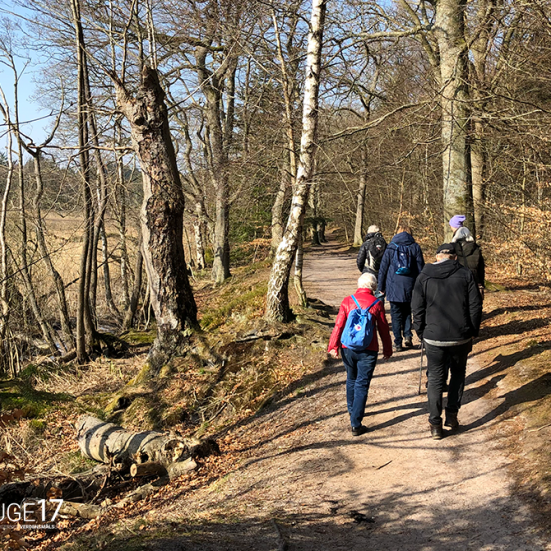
pixel 358 431
pixel 451 420
pixel 408 343
pixel 398 348
pixel 436 431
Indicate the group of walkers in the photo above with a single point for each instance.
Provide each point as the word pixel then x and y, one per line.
pixel 441 301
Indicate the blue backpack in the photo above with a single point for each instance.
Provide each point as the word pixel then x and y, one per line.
pixel 402 259
pixel 358 331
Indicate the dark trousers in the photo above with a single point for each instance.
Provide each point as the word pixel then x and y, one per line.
pixel 441 360
pixel 359 372
pixel 400 314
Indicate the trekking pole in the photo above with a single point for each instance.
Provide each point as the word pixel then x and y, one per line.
pixel 421 367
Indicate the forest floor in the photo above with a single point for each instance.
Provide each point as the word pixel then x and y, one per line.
pixel 293 477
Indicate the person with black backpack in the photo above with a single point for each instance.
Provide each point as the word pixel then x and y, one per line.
pixel 400 266
pixel 371 252
pixel 469 255
pixel 354 333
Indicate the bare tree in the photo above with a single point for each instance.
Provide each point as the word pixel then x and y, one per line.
pixel 277 303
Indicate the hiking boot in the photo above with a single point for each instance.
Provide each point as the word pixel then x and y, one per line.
pixel 451 420
pixel 398 348
pixel 408 342
pixel 436 431
pixel 358 431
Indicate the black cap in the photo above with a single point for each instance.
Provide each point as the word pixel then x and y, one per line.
pixel 446 248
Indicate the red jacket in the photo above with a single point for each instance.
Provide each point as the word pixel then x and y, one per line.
pixel 365 298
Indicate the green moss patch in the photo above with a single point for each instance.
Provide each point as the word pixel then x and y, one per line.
pixel 17 394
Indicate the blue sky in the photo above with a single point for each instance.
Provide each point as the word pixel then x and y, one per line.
pixel 28 109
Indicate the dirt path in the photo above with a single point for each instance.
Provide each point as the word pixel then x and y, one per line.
pixel 424 494
pixel 306 480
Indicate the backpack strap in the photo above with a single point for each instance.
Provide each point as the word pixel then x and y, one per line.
pixel 358 304
pixel 373 304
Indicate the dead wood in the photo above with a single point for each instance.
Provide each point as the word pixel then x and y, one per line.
pixel 147 469
pixel 98 440
pixel 179 468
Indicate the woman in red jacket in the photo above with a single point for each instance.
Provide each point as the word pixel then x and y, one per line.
pixel 360 365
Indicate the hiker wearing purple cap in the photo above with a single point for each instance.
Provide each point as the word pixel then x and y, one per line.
pixel 468 252
pixel 447 310
pixel 456 222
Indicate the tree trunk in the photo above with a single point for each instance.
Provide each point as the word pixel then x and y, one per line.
pixel 4 276
pixel 299 262
pixel 83 306
pixel 478 168
pixel 199 233
pixel 360 206
pixel 68 337
pixel 289 172
pixel 480 93
pixel 277 301
pixel 120 198
pixel 107 277
pixel 101 441
pixel 48 333
pixel 219 142
pixel 161 216
pixel 132 308
pixel 450 33
pixel 277 209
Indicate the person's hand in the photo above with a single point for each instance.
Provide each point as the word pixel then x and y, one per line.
pixel 334 353
pixel 386 356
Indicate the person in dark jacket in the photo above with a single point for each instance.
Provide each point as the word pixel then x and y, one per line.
pixel 447 310
pixel 398 287
pixel 371 252
pixel 360 365
pixel 470 256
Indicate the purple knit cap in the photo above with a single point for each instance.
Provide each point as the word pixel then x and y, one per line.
pixel 457 221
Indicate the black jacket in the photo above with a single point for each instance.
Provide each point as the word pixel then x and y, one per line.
pixel 377 248
pixel 446 303
pixel 470 256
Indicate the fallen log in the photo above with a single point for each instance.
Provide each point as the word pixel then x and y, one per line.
pixel 147 469
pixel 104 441
pixel 181 467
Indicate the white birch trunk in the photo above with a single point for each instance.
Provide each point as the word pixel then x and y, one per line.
pixel 277 302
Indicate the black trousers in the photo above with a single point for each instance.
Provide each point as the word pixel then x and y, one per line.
pixel 440 361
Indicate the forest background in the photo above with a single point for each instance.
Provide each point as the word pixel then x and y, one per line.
pixel 187 139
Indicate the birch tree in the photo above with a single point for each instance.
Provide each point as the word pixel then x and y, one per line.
pixel 277 302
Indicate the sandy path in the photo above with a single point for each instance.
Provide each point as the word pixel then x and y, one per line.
pixel 452 494
pixel 305 475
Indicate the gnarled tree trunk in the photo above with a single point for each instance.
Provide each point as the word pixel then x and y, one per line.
pixel 161 216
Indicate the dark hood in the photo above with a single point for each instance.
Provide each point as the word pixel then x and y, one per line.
pixel 403 238
pixel 442 270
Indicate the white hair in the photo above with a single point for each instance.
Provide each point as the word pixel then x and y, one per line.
pixel 367 281
pixel 462 234
pixel 373 229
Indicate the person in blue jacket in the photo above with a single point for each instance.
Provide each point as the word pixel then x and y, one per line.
pixel 400 266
